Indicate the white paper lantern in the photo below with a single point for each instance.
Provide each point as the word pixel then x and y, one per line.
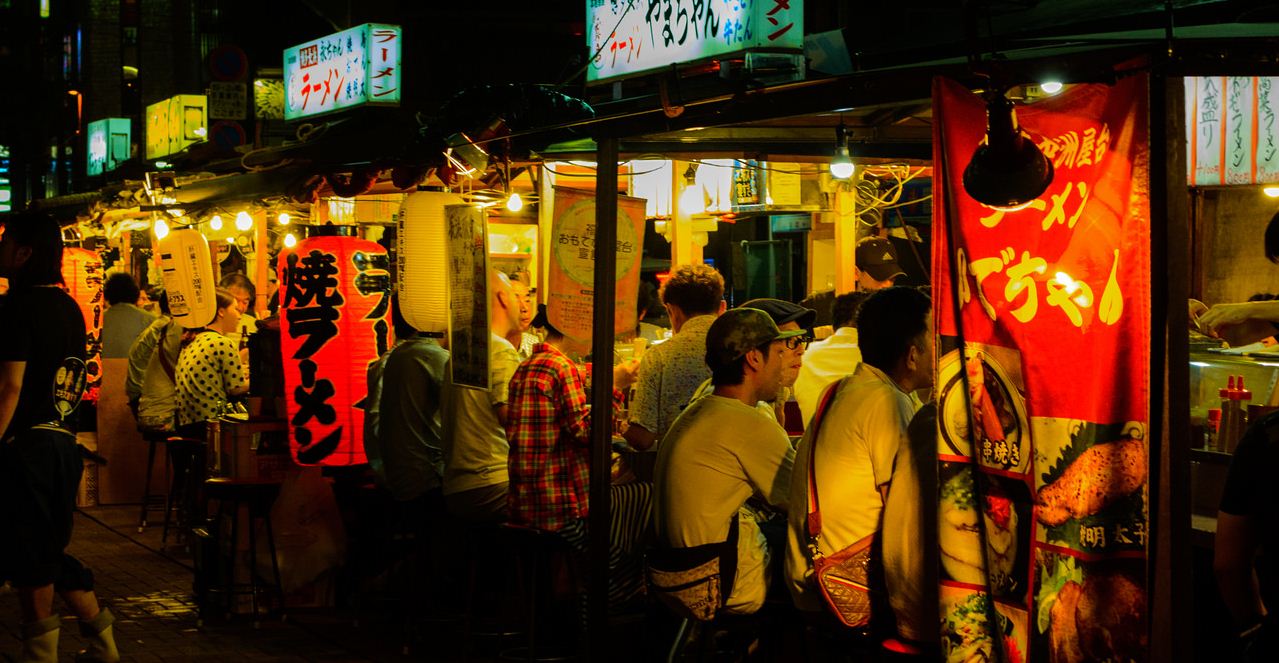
pixel 186 268
pixel 420 247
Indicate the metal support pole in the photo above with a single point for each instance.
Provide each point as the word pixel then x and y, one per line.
pixel 1171 598
pixel 602 391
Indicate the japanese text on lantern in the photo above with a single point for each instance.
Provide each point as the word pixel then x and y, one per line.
pixel 1024 275
pixel 311 302
pixel 373 277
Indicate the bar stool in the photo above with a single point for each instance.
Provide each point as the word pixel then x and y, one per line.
pixel 484 546
pixel 258 496
pixel 186 455
pixel 150 501
pixel 535 551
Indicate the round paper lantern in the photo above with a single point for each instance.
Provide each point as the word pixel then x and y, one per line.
pixel 82 272
pixel 335 307
pixel 186 267
pixel 421 241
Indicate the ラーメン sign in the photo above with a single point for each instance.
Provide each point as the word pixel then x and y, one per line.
pixel 355 67
pixel 108 144
pixel 628 37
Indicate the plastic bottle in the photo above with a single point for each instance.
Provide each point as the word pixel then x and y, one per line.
pixel 1227 414
pixel 1242 397
pixel 1211 429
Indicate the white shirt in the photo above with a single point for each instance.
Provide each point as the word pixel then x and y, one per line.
pixel 475 446
pixel 825 361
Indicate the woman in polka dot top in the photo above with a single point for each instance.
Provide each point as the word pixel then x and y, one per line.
pixel 209 372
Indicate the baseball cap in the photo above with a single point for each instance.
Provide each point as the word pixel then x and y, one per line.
pixel 739 331
pixel 782 311
pixel 877 257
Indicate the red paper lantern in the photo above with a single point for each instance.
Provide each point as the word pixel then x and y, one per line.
pixel 82 272
pixel 335 301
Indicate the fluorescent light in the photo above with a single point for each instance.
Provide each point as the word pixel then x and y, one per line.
pixel 1050 87
pixel 1271 190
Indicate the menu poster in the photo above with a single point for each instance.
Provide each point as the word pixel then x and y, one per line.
pixel 1207 145
pixel 1267 129
pixel 1043 467
pixel 1241 108
pixel 467 259
pixel 570 300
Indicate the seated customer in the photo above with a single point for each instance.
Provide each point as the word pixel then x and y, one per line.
pixel 153 362
pixel 209 372
pixel 722 449
pixel 831 358
pixel 123 320
pixel 550 437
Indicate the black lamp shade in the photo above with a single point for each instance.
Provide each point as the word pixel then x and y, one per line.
pixel 1008 170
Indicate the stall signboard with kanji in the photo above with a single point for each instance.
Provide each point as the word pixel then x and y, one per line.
pixel 175 123
pixel 629 38
pixel 570 299
pixel 1043 358
pixel 335 305
pixel 109 144
pixel 466 264
pixel 1232 136
pixel 355 67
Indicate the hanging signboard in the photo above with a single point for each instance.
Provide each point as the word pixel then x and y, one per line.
pixel 175 123
pixel 109 144
pixel 570 301
pixel 1232 136
pixel 355 67
pixel 467 268
pixel 1043 467
pixel 334 321
pixel 228 100
pixel 628 38
pixel 186 269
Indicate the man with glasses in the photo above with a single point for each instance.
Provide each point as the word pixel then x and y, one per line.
pixel 721 450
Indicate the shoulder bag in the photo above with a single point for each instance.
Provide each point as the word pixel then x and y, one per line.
pixel 844 577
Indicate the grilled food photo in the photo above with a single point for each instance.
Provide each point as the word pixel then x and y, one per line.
pixel 1104 473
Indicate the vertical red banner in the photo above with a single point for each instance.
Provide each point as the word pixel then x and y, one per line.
pixel 1042 421
pixel 334 321
pixel 82 272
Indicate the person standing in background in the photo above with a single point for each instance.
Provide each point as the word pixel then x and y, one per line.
pixel 526 338
pixel 831 358
pixel 124 320
pixel 41 344
pixel 876 269
pixel 245 294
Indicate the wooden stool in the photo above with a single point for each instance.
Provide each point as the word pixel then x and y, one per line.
pixel 186 455
pixel 258 495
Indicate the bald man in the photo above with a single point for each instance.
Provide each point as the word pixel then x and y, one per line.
pixel 475 446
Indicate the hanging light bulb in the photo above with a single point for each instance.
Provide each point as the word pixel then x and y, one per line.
pixel 841 166
pixel 692 201
pixel 243 222
pixel 215 223
pixel 514 202
pixel 1007 170
pixel 290 241
pixel 161 228
pixel 283 219
pixel 1050 87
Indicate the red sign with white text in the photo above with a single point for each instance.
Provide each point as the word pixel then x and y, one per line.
pixel 1042 420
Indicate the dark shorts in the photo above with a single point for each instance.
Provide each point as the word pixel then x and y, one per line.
pixel 39 477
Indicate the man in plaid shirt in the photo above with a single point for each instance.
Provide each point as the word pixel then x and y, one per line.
pixel 550 436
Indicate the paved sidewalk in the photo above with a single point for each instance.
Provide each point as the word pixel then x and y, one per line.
pixel 149 592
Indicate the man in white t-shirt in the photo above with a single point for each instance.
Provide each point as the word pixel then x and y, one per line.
pixel 831 358
pixel 475 446
pixel 722 449
pixel 864 462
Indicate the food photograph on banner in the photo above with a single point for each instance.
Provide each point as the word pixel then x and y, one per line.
pixel 1043 467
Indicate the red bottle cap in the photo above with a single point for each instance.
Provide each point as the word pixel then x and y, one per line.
pixel 1242 393
pixel 1227 392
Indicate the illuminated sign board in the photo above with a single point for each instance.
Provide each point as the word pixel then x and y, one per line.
pixel 653 35
pixel 6 187
pixel 355 67
pixel 175 123
pixel 109 143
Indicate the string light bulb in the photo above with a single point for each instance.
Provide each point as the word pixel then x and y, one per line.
pixel 215 223
pixel 290 241
pixel 283 219
pixel 841 165
pixel 514 202
pixel 161 228
pixel 243 222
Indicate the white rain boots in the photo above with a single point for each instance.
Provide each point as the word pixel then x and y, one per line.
pixel 101 638
pixel 40 641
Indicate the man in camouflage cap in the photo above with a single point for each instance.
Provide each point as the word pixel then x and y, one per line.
pixel 722 449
